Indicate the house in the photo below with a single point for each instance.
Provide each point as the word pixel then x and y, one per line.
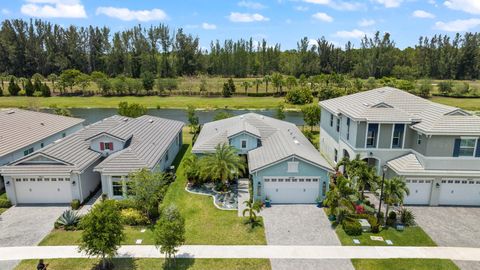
pixel 434 147
pixel 101 153
pixel 283 165
pixel 23 132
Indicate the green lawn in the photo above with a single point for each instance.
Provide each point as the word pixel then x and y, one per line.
pixel 403 264
pixel 3 196
pixel 471 104
pixel 240 102
pixel 147 264
pixel 411 236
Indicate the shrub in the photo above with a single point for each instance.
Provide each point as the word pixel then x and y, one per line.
pixel 392 215
pixel 75 204
pixel 133 217
pixel 407 217
pixel 392 218
pixel 167 84
pixel 69 220
pixel 299 96
pixel 462 89
pixel 352 227
pixel 445 88
pixel 5 203
pixel 126 204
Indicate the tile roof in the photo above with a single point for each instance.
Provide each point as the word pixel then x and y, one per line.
pixel 21 128
pixel 280 140
pixel 389 105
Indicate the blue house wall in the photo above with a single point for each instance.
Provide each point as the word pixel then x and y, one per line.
pixel 236 141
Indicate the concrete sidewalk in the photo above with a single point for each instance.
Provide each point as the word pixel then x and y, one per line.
pixel 266 252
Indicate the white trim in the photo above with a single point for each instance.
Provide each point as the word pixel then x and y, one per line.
pixel 241 144
pixel 403 136
pixel 474 147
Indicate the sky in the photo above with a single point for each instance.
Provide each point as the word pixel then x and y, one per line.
pixel 278 21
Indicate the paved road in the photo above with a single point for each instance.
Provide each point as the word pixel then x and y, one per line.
pixel 264 252
pixel 26 226
pixel 451 226
pixel 301 225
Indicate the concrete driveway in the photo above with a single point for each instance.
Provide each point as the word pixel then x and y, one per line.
pixel 26 226
pixel 301 225
pixel 451 226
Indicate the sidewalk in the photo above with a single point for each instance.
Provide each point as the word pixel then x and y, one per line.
pixel 266 252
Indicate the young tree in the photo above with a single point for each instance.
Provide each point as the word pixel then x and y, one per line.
pixel 133 110
pixel 147 190
pixel 29 88
pixel 169 232
pixel 277 81
pixel 246 85
pixel 192 118
pixel 13 87
pixel 61 111
pixel 280 112
pixel 83 80
pixel 258 82
pixel 102 231
pixel 148 80
pixel 53 79
pixel 425 89
pixel 223 165
pixel 395 190
pixel 267 79
pixel 203 85
pixel 228 88
pixel 45 90
pixel 311 115
pixel 252 209
pixel 68 78
pixel 222 115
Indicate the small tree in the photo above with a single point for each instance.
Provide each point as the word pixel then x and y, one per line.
pixel 131 110
pixel 311 115
pixel 394 192
pixel 252 209
pixel 148 80
pixel 102 231
pixel 45 90
pixel 192 118
pixel 68 78
pixel 228 88
pixel 280 112
pixel 258 82
pixel 169 232
pixel 223 165
pixel 246 85
pixel 425 89
pixel 203 85
pixel 29 88
pixel 13 87
pixel 147 190
pixel 222 115
pixel 53 78
pixel 83 80
pixel 61 111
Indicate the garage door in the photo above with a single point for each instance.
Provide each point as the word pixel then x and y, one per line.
pixel 292 189
pixel 43 190
pixel 460 192
pixel 420 190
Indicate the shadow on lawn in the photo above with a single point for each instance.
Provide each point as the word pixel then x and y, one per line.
pixel 131 263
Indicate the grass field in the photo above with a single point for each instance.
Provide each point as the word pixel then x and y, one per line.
pixel 3 196
pixel 411 236
pixel 470 104
pixel 147 264
pixel 404 264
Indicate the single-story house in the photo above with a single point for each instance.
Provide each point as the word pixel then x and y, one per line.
pixel 283 165
pixel 23 132
pixel 104 152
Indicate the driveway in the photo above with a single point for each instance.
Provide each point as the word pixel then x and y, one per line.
pixel 451 226
pixel 301 225
pixel 26 226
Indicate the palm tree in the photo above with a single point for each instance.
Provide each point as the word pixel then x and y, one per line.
pixel 246 85
pixel 222 165
pixel 360 173
pixel 252 209
pixel 53 78
pixel 257 83
pixel 395 190
pixel 191 168
pixel 277 81
pixel 267 79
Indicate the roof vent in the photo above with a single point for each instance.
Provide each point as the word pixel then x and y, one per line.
pixel 150 121
pixel 296 142
pixel 241 116
pixel 366 104
pixel 11 112
pixel 125 119
pixel 42 124
pixel 261 116
pixel 56 141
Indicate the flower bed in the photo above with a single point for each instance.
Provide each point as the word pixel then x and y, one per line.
pixel 222 200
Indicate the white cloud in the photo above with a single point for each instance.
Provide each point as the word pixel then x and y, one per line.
pixel 389 3
pixel 338 5
pixel 54 9
pixel 126 14
pixel 423 14
pixel 355 33
pixel 209 26
pixel 246 17
pixel 5 11
pixel 251 5
pixel 366 22
pixel 301 8
pixel 469 6
pixel 312 42
pixel 458 25
pixel 322 17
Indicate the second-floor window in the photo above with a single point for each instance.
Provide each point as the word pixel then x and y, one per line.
pixel 372 134
pixel 397 138
pixel 348 128
pixel 338 124
pixel 244 144
pixel 106 146
pixel 28 151
pixel 331 120
pixel 467 147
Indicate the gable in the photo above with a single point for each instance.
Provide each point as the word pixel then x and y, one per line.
pixel 382 105
pixel 458 112
pixel 41 159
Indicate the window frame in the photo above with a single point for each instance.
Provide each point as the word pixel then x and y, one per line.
pixel 331 120
pixel 400 138
pixel 292 167
pixel 241 144
pixel 374 137
pixel 348 128
pixel 472 148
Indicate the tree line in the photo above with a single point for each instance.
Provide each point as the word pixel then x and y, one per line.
pixel 37 46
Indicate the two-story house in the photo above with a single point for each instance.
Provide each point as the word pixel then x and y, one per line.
pixel 105 153
pixel 435 147
pixel 283 165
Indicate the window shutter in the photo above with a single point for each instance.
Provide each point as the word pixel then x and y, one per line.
pixel 102 146
pixel 477 152
pixel 110 146
pixel 456 148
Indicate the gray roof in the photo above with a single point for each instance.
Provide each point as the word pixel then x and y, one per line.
pixel 149 134
pixel 21 128
pixel 151 138
pixel 410 165
pixel 280 140
pixel 391 105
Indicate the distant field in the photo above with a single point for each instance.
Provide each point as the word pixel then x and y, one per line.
pixel 470 104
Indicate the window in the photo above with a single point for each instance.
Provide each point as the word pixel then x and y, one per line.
pixel 259 189
pixel 259 142
pixel 331 120
pixel 292 167
pixel 467 147
pixel 372 134
pixel 64 135
pixel 166 156
pixel 348 128
pixel 28 151
pixel 336 155
pixel 42 145
pixel 338 124
pixel 419 138
pixel 397 139
pixel 106 146
pixel 117 188
pixel 324 188
pixel 178 140
pixel 54 179
pixel 244 144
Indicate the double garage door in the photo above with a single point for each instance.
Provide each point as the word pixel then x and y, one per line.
pixel 43 190
pixel 451 192
pixel 292 189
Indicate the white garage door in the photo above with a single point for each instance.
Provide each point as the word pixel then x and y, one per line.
pixel 460 192
pixel 43 190
pixel 420 190
pixel 292 189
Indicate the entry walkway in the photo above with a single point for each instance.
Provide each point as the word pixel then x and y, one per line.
pixel 259 252
pixel 243 195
